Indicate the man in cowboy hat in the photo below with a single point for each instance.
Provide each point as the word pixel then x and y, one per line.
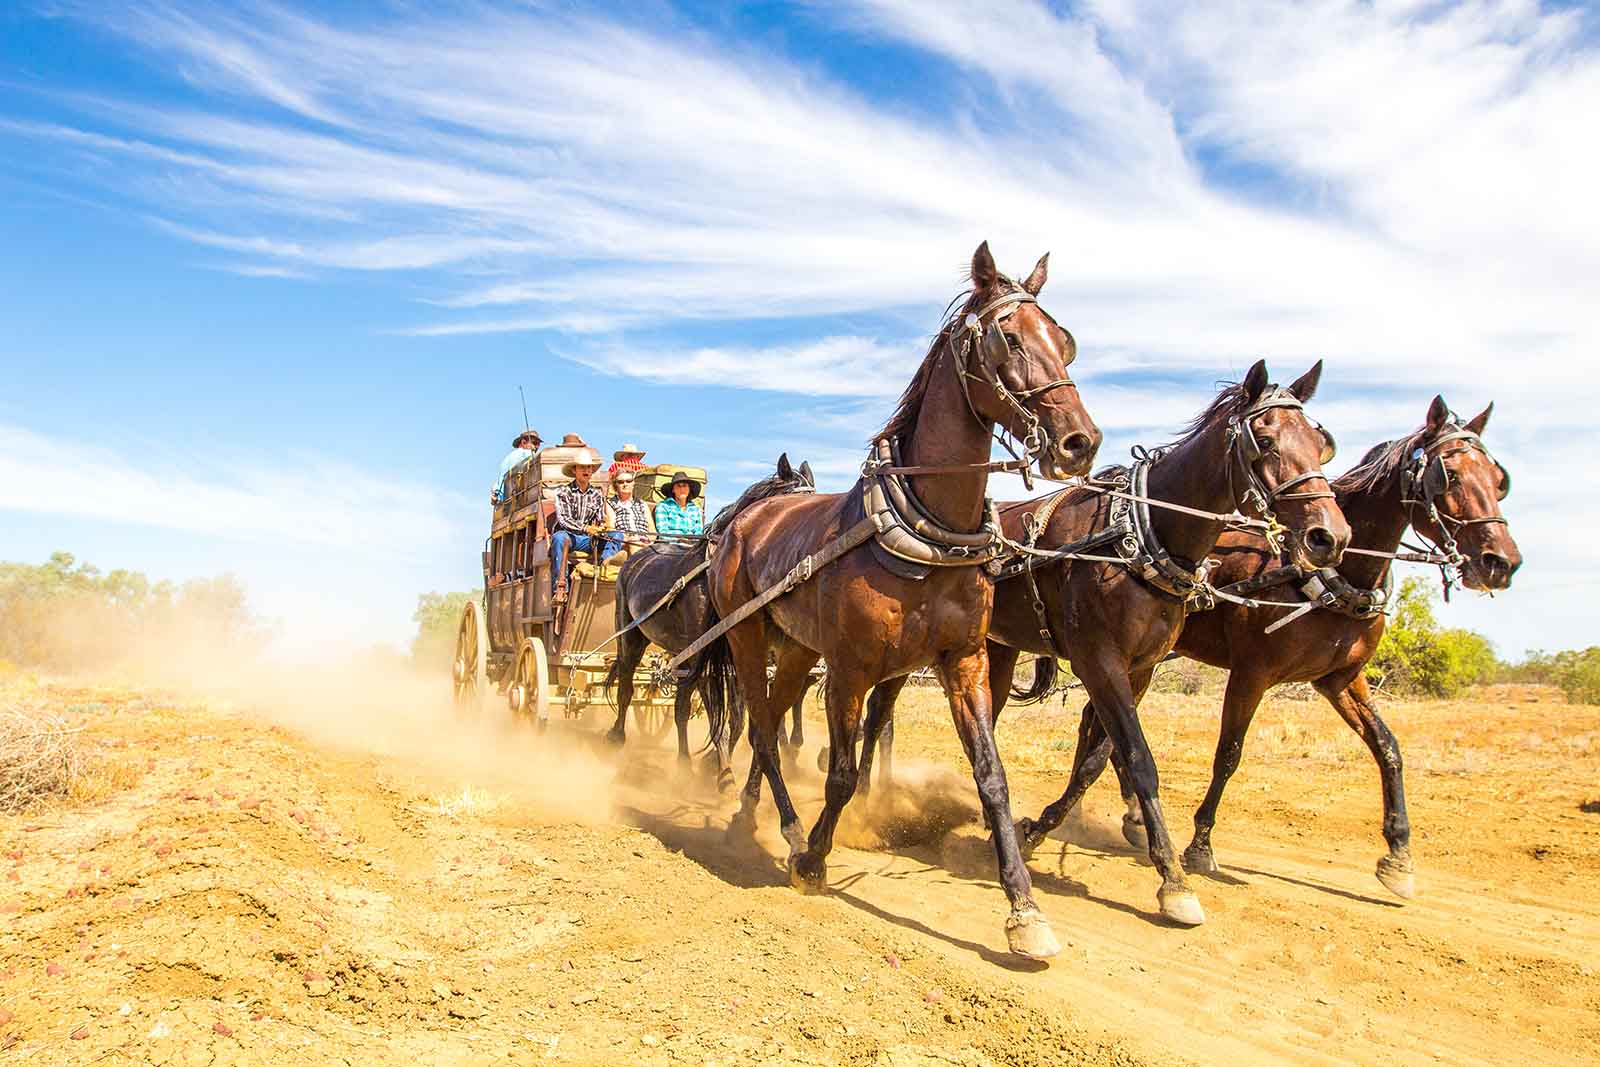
pixel 679 514
pixel 630 457
pixel 523 447
pixel 580 518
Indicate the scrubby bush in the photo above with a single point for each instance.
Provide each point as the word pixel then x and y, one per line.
pixel 1420 657
pixel 437 616
pixel 66 615
pixel 1576 672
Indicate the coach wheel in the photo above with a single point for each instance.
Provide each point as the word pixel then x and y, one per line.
pixel 468 677
pixel 529 691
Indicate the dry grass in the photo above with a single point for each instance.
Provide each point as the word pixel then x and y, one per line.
pixel 39 757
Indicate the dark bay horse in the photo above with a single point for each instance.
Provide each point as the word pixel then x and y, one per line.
pixel 1441 481
pixel 646 577
pixel 1114 621
pixel 999 359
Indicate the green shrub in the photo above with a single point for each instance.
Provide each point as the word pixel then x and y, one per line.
pixel 437 616
pixel 1577 673
pixel 1417 656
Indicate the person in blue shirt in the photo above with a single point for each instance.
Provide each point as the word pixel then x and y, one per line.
pixel 523 447
pixel 679 514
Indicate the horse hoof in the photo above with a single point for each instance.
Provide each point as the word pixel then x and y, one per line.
pixel 808 874
pixel 616 737
pixel 742 827
pixel 1133 833
pixel 724 780
pixel 1398 877
pixel 1026 842
pixel 1197 860
pixel 822 760
pixel 1030 936
pixel 1181 906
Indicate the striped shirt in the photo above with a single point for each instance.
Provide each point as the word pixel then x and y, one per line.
pixel 632 516
pixel 686 519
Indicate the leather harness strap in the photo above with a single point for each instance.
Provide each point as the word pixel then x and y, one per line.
pixel 799 573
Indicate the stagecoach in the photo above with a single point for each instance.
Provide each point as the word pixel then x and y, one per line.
pixel 535 653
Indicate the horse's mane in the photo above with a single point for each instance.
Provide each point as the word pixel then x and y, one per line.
pixel 1381 462
pixel 1226 404
pixel 906 412
pixel 772 485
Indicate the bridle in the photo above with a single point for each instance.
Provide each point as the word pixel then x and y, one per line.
pixel 991 346
pixel 1245 452
pixel 1425 479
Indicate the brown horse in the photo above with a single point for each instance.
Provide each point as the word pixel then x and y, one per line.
pixel 1116 620
pixel 998 360
pixel 1442 482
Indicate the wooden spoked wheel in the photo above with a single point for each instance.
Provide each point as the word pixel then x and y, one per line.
pixel 467 670
pixel 652 715
pixel 529 691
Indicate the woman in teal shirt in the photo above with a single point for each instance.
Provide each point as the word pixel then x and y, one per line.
pixel 679 515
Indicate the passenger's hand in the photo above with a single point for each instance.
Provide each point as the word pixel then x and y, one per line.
pixel 595 529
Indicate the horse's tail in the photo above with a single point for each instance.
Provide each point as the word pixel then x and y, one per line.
pixel 1044 680
pixel 719 684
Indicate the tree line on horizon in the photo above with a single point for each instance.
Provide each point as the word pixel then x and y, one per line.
pixel 65 615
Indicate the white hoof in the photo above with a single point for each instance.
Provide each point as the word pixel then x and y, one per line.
pixel 1133 833
pixel 1030 936
pixel 1181 906
pixel 1398 877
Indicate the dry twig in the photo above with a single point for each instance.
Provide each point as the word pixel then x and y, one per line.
pixel 38 757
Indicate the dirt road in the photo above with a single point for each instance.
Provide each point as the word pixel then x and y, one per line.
pixel 366 879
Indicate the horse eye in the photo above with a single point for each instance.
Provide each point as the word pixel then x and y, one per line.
pixel 1268 444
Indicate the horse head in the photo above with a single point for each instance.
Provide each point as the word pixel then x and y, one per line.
pixel 1014 368
pixel 1454 486
pixel 1280 450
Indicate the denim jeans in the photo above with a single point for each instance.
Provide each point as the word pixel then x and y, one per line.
pixel 610 545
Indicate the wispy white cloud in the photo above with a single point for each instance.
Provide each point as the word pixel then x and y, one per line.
pixel 311 503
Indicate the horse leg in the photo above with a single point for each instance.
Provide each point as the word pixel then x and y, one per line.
pixel 1351 697
pixel 1239 703
pixel 680 715
pixel 1115 694
pixel 1088 763
pixel 880 717
pixel 965 677
pixel 842 695
pixel 630 650
pixel 747 643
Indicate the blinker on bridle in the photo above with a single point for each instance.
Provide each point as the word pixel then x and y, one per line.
pixel 1426 471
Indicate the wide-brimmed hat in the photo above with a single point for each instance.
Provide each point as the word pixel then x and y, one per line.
pixel 682 476
pixel 587 458
pixel 629 449
pixel 516 442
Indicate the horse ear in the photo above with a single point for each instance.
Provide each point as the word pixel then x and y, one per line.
pixel 805 472
pixel 785 471
pixel 1438 414
pixel 1305 386
pixel 1255 383
pixel 984 272
pixel 1041 271
pixel 1481 419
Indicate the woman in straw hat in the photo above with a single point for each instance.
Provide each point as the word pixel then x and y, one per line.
pixel 630 516
pixel 679 514
pixel 580 518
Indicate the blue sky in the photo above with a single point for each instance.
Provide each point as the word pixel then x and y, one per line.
pixel 271 274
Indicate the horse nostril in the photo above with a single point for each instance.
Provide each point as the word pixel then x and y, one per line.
pixel 1495 566
pixel 1074 444
pixel 1321 543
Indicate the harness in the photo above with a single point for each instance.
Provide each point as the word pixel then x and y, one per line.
pixel 1130 533
pixel 893 514
pixel 1423 481
pixel 1426 471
